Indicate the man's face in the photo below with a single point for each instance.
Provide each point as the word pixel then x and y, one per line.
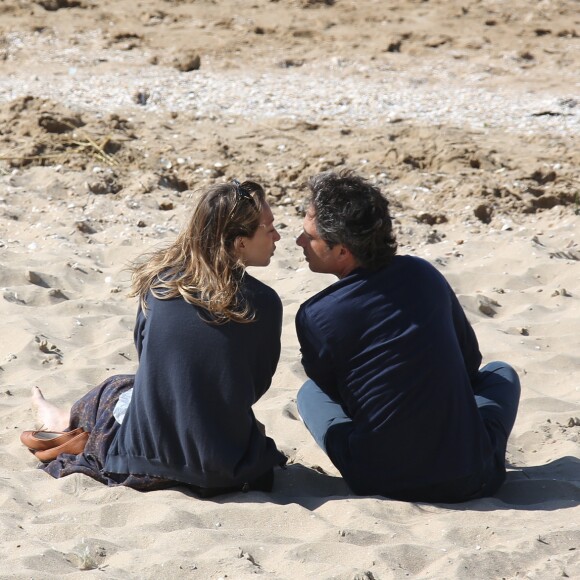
pixel 319 256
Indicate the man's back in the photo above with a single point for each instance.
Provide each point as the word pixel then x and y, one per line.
pixel 395 349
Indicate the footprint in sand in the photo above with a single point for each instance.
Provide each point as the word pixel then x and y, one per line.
pixel 54 353
pixel 47 281
pixel 290 410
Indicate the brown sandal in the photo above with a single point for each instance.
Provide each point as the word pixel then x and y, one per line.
pixel 73 446
pixel 43 440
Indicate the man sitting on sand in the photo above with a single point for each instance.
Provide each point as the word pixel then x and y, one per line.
pixel 395 395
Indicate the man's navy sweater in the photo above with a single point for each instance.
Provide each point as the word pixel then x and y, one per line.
pixel 394 347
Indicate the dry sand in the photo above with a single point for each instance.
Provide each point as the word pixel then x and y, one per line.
pixel 466 113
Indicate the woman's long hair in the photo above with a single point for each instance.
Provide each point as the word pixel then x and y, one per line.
pixel 202 265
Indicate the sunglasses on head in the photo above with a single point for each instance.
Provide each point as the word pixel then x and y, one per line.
pixel 241 193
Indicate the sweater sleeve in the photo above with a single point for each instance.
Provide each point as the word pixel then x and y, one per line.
pixel 138 331
pixel 466 337
pixel 316 354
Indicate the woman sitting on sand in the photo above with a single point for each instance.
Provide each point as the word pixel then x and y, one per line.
pixel 208 339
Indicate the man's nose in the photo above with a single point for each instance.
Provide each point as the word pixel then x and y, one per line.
pixel 299 240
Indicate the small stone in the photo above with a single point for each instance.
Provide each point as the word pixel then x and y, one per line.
pixel 394 46
pixel 87 555
pixel 364 575
pixel 431 219
pixel 434 237
pixel 141 97
pixel 57 293
pixel 483 213
pixel 10 296
pixel 85 227
pixel 290 62
pixel 526 55
pixel 103 184
pixel 187 62
pixel 36 279
pixel 59 125
pixel 486 305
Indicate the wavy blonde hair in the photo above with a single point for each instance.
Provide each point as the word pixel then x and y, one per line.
pixel 202 265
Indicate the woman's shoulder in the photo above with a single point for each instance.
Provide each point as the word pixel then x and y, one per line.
pixel 258 291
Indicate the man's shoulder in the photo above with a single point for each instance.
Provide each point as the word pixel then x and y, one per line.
pixel 327 295
pixel 410 261
pixel 332 299
pixel 405 266
pixel 350 291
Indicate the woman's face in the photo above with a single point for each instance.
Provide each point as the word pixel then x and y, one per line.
pixel 259 249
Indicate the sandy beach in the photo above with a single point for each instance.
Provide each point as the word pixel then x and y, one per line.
pixel 113 115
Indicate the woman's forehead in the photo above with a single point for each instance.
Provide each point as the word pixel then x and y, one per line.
pixel 266 217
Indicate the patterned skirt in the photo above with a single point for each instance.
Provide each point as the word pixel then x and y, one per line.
pixel 94 414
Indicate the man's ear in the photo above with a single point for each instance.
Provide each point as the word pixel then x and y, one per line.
pixel 345 253
pixel 346 257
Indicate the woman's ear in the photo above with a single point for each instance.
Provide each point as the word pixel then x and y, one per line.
pixel 239 244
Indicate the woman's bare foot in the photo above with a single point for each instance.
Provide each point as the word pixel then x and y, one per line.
pixel 51 417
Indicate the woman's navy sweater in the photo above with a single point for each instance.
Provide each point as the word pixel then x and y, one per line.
pixel 190 417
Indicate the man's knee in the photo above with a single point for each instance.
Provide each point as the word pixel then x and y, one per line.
pixel 507 372
pixel 305 393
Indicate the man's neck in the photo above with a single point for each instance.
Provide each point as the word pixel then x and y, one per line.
pixel 348 268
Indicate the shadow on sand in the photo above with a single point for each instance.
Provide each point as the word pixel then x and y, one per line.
pixel 553 486
pixel 549 487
